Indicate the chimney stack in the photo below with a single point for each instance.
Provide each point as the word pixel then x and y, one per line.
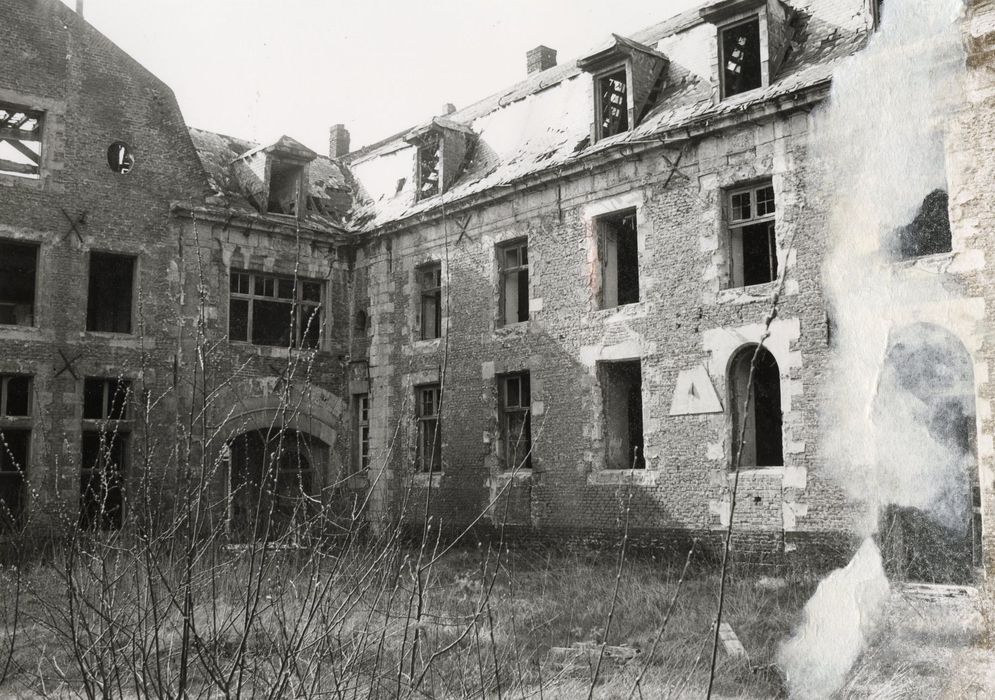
pixel 448 109
pixel 338 141
pixel 540 58
pixel 79 7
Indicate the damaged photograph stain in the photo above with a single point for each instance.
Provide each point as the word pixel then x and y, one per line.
pixel 655 364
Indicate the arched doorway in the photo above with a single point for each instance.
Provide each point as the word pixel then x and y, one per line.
pixel 274 479
pixel 924 415
pixel 755 409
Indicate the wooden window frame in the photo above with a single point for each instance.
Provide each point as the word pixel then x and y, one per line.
pixel 297 304
pixel 426 422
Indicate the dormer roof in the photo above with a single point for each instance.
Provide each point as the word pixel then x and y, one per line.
pixel 618 49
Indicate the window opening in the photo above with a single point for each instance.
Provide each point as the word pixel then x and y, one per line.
pixel 429 458
pixel 108 307
pixel 20 141
pixel 752 240
pixel 271 310
pixel 106 433
pixel 284 188
pixel 513 262
pixel 613 104
pixel 429 159
pixel 619 259
pixel 759 405
pixel 120 158
pixel 929 232
pixel 273 480
pixel 18 265
pixel 15 442
pixel 516 421
pixel 430 284
pixel 622 397
pixel 363 431
pixel 740 60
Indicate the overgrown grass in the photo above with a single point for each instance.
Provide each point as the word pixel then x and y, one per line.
pixel 106 620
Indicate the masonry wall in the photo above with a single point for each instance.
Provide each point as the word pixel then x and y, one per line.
pixel 92 95
pixel 685 321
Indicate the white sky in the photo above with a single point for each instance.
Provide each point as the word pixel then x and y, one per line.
pixel 262 68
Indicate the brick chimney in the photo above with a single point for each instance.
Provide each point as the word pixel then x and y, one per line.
pixel 79 7
pixel 540 58
pixel 338 141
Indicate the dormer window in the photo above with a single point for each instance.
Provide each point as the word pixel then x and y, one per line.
pixel 628 78
pixel 752 42
pixel 284 188
pixel 740 57
pixel 441 147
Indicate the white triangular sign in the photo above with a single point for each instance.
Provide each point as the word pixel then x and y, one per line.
pixel 695 393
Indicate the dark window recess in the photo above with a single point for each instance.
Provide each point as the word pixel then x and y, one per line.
pixel 929 232
pixel 272 482
pixel 101 480
pixel 14 444
pixel 15 396
pixel 516 421
pixel 513 262
pixel 741 63
pixel 108 303
pixel 619 248
pixel 120 159
pixel 430 285
pixel 18 263
pixel 271 310
pixel 362 405
pixel 752 239
pixel 429 456
pixel 613 104
pixel 20 140
pixel 429 158
pixel 622 395
pixel 284 188
pixel 756 415
pixel 106 399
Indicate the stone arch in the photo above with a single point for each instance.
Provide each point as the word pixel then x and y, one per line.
pixel 925 419
pixel 755 417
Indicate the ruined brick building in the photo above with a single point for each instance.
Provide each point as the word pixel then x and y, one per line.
pixel 534 311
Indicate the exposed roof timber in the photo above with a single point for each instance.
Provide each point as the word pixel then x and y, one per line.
pixel 620 48
pixel 723 10
pixel 438 124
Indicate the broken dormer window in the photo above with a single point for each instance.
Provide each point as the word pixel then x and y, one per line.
pixel 613 104
pixel 429 155
pixel 741 65
pixel 284 188
pixel 20 141
pixel 929 232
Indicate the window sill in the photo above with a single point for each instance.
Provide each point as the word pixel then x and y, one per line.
pixel 617 477
pixel 426 345
pixel 120 340
pixel 623 312
pixel 512 329
pixel 272 350
pixel 424 479
pixel 935 262
pixel 523 474
pixel 746 295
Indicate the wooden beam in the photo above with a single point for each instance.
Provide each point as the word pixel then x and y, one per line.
pixel 10 166
pixel 23 150
pixel 20 135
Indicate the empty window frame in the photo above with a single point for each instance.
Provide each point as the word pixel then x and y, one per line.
pixel 15 442
pixel 752 240
pixel 430 290
pixel 20 140
pixel 612 103
pixel 273 482
pixel 622 401
pixel 619 249
pixel 929 232
pixel 106 433
pixel 513 266
pixel 755 409
pixel 516 420
pixel 284 188
pixel 362 404
pixel 429 452
pixel 429 160
pixel 272 310
pixel 18 266
pixel 740 60
pixel 111 288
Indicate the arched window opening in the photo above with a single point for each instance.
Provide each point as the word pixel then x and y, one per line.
pixel 273 482
pixel 755 408
pixel 929 232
